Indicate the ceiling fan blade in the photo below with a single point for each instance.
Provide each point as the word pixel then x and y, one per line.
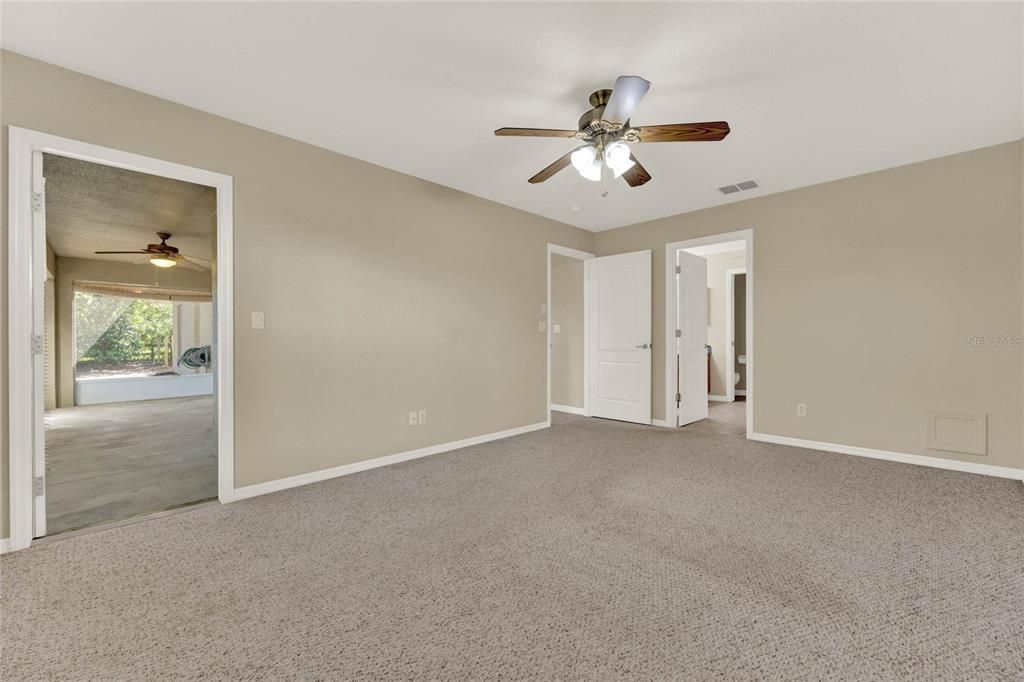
pixel 637 175
pixel 709 131
pixel 626 94
pixel 534 132
pixel 552 169
pixel 194 258
pixel 113 252
pixel 189 264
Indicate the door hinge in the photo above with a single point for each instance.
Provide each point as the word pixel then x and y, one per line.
pixel 679 398
pixel 679 333
pixel 38 486
pixel 38 344
pixel 679 269
pixel 37 202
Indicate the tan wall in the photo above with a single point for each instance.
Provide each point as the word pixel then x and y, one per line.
pixel 718 263
pixel 374 306
pixel 567 344
pixel 866 293
pixel 70 270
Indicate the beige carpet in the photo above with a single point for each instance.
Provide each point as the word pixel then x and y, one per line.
pixel 592 550
pixel 117 460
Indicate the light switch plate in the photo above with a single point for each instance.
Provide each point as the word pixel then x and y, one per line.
pixel 556 329
pixel 257 320
pixel 542 326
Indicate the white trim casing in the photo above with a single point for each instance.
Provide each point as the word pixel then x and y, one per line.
pixel 585 257
pixel 20 377
pixel 889 456
pixel 22 143
pixel 570 409
pixel 671 306
pixel 224 312
pixel 346 469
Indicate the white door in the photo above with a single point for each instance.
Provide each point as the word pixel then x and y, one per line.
pixel 39 277
pixel 691 337
pixel 620 337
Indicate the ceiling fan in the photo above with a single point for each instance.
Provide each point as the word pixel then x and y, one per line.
pixel 163 255
pixel 607 131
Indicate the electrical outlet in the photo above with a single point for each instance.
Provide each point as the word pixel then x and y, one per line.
pixel 257 320
pixel 801 409
pixel 423 416
pixel 413 418
pixel 542 326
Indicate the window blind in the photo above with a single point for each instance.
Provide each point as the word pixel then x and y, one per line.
pixel 141 291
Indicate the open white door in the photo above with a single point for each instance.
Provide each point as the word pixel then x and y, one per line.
pixel 620 337
pixel 691 337
pixel 38 344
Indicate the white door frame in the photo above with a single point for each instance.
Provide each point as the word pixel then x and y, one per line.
pixel 672 307
pixel 583 256
pixel 730 331
pixel 22 283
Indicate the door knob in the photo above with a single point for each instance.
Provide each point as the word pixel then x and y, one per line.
pixel 645 346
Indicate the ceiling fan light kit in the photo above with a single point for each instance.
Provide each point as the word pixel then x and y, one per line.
pixel 585 160
pixel 607 131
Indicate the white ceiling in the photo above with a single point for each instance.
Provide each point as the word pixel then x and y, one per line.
pixel 813 91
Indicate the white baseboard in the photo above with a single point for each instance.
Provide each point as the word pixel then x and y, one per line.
pixel 719 398
pixel 5 545
pixel 920 460
pixel 740 391
pixel 661 422
pixel 355 467
pixel 568 408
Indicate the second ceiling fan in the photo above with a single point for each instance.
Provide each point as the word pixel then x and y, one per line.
pixel 163 255
pixel 607 131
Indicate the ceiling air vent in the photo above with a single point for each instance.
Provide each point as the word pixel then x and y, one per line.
pixel 739 186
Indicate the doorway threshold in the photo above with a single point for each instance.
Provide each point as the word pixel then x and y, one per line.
pixel 131 520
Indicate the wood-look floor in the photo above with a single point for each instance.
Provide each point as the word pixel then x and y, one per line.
pixel 114 461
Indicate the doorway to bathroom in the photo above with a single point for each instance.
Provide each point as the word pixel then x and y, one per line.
pixel 709 340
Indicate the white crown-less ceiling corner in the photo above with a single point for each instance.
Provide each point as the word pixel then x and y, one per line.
pixel 813 91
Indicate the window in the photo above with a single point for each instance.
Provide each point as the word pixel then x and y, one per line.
pixel 119 336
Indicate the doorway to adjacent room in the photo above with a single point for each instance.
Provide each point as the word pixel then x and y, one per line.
pixel 122 403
